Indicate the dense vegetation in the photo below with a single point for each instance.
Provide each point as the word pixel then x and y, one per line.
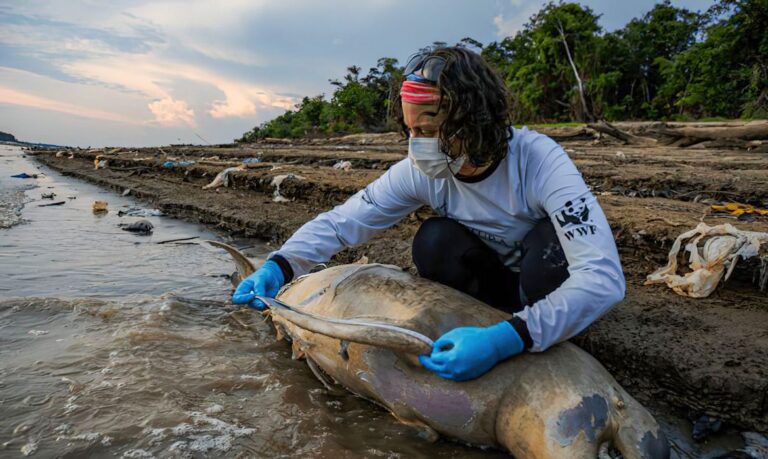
pixel 670 64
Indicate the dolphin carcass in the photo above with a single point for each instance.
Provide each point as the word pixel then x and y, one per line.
pixel 561 403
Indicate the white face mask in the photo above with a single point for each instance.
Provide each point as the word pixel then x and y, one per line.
pixel 427 157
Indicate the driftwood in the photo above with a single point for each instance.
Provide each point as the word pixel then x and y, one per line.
pixel 751 136
pixel 686 136
pixel 604 127
pixel 565 133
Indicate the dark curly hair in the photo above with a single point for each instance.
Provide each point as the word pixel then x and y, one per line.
pixel 476 102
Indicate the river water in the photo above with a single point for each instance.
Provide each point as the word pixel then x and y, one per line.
pixel 114 345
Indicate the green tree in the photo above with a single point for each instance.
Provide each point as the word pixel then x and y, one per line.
pixel 636 54
pixel 536 65
pixel 726 73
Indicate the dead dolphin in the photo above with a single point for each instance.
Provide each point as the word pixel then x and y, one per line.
pixel 561 403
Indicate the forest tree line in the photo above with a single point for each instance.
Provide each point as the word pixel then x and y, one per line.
pixel 670 64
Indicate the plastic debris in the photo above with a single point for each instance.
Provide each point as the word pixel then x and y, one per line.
pixel 50 195
pixel 621 156
pixel 139 212
pixel 142 227
pixel 737 209
pixel 343 165
pixel 100 163
pixel 251 160
pixel 705 426
pixel 277 181
pixel 173 163
pixel 710 262
pixel 126 192
pixel 24 175
pixel 223 178
pixel 99 206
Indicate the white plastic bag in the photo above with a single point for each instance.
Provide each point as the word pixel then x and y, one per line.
pixel 709 263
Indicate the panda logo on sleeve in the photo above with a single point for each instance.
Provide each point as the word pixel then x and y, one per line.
pixel 574 213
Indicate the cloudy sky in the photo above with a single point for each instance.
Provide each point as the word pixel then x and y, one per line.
pixel 136 72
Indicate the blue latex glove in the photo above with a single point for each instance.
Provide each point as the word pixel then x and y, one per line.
pixel 266 281
pixel 466 353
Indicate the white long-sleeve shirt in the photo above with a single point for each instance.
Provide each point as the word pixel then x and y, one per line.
pixel 534 181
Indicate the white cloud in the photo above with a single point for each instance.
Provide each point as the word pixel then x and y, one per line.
pixel 170 112
pixel 14 97
pixel 154 76
pixel 514 16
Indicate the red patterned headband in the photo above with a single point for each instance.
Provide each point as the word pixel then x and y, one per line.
pixel 416 92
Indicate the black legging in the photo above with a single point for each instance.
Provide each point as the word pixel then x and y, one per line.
pixel 447 252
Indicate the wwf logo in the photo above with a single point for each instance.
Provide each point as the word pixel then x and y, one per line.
pixel 574 219
pixel 574 213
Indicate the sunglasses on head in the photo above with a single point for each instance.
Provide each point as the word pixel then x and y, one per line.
pixel 430 66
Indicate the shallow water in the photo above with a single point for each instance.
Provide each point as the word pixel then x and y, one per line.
pixel 114 345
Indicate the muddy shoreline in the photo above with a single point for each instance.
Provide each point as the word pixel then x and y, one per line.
pixel 705 356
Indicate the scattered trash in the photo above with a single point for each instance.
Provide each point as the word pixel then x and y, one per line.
pixel 61 153
pixel 251 160
pixel 173 163
pixel 143 227
pixel 99 206
pixel 222 178
pixel 760 277
pixel 127 192
pixel 277 181
pixel 71 197
pixel 724 246
pixel 139 212
pixel 738 209
pixel 100 162
pixel 57 203
pixel 620 155
pixel 343 165
pixel 47 195
pixel 705 426
pixel 24 175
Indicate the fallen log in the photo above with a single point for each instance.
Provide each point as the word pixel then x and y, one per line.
pixel 604 127
pixel 565 133
pixel 757 130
